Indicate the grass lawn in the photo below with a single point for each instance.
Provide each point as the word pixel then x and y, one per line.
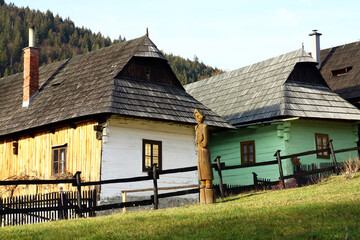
pixel 322 211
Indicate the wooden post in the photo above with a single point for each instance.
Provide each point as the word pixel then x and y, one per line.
pixel 156 200
pixel 93 213
pixel 333 157
pixel 123 196
pixel 277 155
pixel 1 208
pixel 78 185
pixel 255 179
pixel 221 186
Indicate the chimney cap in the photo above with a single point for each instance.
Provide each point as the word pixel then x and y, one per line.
pixel 315 33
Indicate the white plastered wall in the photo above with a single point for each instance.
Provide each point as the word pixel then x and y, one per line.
pixel 122 154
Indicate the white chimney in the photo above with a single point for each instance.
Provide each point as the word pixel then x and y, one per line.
pixel 315 46
pixel 31 37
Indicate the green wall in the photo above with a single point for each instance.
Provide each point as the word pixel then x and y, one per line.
pixel 302 138
pixel 289 137
pixel 227 145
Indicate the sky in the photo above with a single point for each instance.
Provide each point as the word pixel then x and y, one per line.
pixel 227 34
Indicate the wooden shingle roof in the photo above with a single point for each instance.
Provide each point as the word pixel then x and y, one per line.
pixel 285 86
pixel 87 85
pixel 340 66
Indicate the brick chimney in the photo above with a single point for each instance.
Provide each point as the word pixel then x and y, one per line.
pixel 31 69
pixel 315 46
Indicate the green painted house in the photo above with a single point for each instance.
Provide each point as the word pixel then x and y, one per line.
pixel 283 104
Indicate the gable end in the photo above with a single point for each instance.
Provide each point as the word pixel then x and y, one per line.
pixel 151 70
pixel 306 72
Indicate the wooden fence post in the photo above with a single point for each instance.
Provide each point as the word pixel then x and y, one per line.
pixel 221 186
pixel 93 213
pixel 78 185
pixel 255 179
pixel 156 200
pixel 277 155
pixel 333 157
pixel 1 216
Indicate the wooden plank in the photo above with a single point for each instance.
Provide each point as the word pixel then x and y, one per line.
pixel 218 169
pixel 252 165
pixel 119 180
pixel 178 170
pixel 120 205
pixel 36 209
pixel 160 188
pixel 305 153
pixel 278 157
pixel 347 150
pixel 31 182
pixel 178 193
pixel 336 169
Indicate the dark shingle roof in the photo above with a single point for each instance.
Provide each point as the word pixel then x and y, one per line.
pixel 341 57
pixel 86 85
pixel 269 89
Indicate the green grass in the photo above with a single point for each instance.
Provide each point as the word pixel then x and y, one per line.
pixel 321 211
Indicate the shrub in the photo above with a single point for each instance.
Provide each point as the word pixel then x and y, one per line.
pixel 350 167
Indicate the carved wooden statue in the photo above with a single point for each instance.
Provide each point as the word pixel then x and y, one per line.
pixel 204 163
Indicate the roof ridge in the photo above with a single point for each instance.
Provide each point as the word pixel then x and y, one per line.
pixel 245 69
pixel 84 54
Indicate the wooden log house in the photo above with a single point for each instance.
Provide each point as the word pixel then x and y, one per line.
pixel 110 113
pixel 282 103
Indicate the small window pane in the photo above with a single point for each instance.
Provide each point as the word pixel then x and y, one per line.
pixel 62 154
pixel 147 162
pixel 62 160
pixel 148 149
pixel 155 150
pixel 56 167
pixel 251 160
pixel 325 143
pixel 56 155
pixel 318 140
pixel 156 161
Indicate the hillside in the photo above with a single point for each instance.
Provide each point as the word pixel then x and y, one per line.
pixel 59 39
pixel 328 210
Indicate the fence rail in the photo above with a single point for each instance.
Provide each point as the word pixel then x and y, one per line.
pixel 77 204
pixel 278 161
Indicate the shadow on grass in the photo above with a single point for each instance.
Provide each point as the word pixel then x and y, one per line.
pixel 240 196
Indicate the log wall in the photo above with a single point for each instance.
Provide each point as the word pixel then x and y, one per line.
pixel 34 158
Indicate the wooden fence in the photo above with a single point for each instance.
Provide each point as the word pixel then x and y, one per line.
pixel 333 168
pixel 38 208
pixel 45 208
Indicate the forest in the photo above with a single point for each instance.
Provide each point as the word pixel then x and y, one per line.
pixel 60 39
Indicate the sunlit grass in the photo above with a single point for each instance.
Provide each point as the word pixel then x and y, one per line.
pixel 321 211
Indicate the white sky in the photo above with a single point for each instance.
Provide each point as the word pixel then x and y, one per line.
pixel 227 34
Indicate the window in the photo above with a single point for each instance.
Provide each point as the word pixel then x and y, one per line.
pixel 340 72
pixel 322 142
pixel 59 159
pixel 152 154
pixel 247 152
